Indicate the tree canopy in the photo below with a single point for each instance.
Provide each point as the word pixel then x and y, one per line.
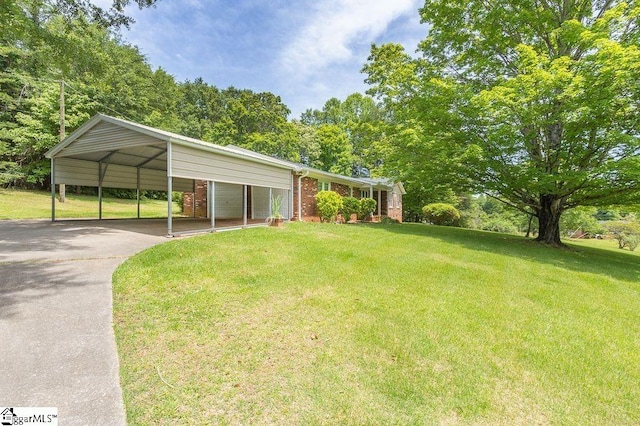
pixel 534 102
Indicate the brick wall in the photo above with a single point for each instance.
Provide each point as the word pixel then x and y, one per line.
pixel 343 190
pixel 395 212
pixel 384 204
pixel 187 204
pixel 200 200
pixel 309 192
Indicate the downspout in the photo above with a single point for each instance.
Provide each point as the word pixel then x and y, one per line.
pixel 305 174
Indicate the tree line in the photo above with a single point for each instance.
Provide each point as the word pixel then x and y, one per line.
pixel 48 42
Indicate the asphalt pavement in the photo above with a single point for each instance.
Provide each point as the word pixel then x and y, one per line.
pixel 58 347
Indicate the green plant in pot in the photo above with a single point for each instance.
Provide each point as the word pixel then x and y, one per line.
pixel 276 218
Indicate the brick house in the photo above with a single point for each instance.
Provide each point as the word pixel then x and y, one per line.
pixel 307 182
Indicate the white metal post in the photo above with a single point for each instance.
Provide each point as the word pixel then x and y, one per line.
pixel 100 191
pixel 138 190
pixel 244 206
pixel 212 203
pixel 169 192
pixel 53 191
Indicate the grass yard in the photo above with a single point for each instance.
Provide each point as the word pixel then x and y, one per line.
pixel 21 204
pixel 378 324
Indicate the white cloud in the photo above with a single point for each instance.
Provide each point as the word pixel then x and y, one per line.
pixel 328 36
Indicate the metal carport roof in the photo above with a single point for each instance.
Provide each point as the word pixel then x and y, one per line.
pixel 111 152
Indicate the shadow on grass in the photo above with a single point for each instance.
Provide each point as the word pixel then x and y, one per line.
pixel 621 266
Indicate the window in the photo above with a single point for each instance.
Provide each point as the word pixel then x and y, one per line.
pixel 364 193
pixel 323 186
pixel 390 199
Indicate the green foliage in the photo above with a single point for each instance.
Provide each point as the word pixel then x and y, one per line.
pixel 178 198
pixel 329 204
pixel 630 241
pixel 366 208
pixel 350 206
pixel 389 220
pixel 607 214
pixel 536 104
pixel 581 220
pixel 335 150
pixel 359 121
pixel 276 206
pixel 487 213
pixel 627 233
pixel 441 214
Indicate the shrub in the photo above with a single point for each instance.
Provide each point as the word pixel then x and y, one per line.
pixel 500 224
pixel 366 207
pixel 350 206
pixel 389 220
pixel 329 204
pixel 626 232
pixel 630 241
pixel 441 214
pixel 178 197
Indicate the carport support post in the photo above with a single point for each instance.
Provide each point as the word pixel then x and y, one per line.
pixel 99 191
pixel 53 191
pixel 212 203
pixel 169 191
pixel 169 206
pixel 244 206
pixel 379 202
pixel 138 189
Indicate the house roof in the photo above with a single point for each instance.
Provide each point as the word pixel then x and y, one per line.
pixel 334 177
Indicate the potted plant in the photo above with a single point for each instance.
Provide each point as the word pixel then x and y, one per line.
pixel 276 218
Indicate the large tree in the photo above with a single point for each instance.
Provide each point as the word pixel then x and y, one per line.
pixel 534 102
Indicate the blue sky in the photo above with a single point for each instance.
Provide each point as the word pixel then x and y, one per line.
pixel 305 51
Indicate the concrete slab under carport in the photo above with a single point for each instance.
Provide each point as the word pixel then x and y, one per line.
pixel 182 226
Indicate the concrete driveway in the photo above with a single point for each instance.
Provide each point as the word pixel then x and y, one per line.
pixel 58 347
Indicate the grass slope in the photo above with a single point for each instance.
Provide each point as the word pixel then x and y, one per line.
pixel 21 204
pixel 380 324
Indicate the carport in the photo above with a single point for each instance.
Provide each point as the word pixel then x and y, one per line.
pixel 108 152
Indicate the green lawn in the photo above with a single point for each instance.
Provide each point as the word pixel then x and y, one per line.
pixel 378 324
pixel 21 204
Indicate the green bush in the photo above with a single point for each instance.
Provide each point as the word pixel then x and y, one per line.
pixel 366 207
pixel 389 220
pixel 350 206
pixel 329 204
pixel 629 241
pixel 627 233
pixel 177 197
pixel 581 220
pixel 441 214
pixel 499 224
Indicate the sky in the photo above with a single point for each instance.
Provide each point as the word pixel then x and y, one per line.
pixel 305 51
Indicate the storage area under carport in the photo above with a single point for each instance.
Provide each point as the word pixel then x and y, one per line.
pixel 107 152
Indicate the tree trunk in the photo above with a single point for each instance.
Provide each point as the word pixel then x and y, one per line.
pixel 529 227
pixel 549 221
